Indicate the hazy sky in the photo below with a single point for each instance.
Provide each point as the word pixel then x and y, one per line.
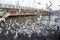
pixel 34 3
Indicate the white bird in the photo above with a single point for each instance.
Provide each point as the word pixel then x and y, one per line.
pixel 6 25
pixel 12 24
pixel 1 30
pixel 29 35
pixel 19 30
pixel 17 23
pixel 15 36
pixel 2 24
pixel 12 31
pixel 6 33
pixel 8 28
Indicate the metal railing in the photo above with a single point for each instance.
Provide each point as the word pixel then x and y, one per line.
pixel 15 6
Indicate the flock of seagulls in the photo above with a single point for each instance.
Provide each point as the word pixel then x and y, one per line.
pixel 27 28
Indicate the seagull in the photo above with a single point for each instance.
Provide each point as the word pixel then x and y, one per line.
pixel 1 30
pixel 6 33
pixel 17 23
pixel 12 24
pixel 15 36
pixel 8 28
pixel 12 31
pixel 2 24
